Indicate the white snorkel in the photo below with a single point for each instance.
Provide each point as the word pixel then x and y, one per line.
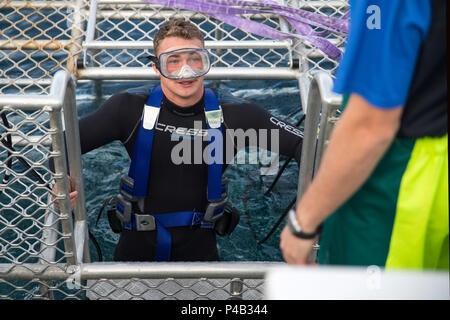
pixel 186 73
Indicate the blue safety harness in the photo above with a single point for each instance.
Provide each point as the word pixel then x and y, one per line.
pixel 134 186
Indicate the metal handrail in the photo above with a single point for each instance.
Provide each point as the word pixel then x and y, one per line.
pixel 218 73
pixel 322 106
pixel 142 270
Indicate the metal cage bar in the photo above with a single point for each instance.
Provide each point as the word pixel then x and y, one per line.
pixel 323 104
pixel 147 270
pixel 322 107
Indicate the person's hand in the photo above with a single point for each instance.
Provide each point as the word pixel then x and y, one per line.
pixel 295 250
pixel 73 193
pixel 73 199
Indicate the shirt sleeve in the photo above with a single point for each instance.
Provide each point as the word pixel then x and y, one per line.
pixel 382 49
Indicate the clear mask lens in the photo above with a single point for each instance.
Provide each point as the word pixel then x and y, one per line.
pixel 187 63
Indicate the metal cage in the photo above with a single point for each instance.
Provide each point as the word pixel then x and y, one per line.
pixel 46 47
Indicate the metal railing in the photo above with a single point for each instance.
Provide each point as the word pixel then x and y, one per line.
pixel 321 116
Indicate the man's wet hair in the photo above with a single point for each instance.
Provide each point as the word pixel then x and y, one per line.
pixel 177 27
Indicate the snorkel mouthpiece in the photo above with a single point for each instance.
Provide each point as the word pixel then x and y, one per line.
pixel 186 73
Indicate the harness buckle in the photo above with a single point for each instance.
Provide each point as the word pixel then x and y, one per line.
pixel 126 187
pixel 210 213
pixel 214 205
pixel 145 222
pixel 124 216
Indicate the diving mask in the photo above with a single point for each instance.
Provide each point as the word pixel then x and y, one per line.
pixel 186 63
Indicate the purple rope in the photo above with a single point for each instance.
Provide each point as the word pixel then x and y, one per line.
pixel 300 19
pixel 338 24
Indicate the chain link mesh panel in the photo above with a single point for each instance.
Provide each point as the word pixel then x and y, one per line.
pixel 33 230
pixel 315 59
pixel 175 289
pixel 130 22
pixel 37 39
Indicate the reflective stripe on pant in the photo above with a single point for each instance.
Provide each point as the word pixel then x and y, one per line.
pixel 420 233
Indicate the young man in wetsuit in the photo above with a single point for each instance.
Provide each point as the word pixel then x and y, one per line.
pixel 181 62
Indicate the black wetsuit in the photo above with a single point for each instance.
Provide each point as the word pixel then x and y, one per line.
pixel 175 187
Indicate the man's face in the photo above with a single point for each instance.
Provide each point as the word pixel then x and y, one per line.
pixel 180 92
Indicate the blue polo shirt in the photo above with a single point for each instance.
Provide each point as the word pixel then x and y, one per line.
pixel 382 49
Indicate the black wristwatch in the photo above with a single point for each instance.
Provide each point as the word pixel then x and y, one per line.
pixel 295 228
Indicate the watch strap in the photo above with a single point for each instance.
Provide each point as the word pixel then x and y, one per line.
pixel 295 228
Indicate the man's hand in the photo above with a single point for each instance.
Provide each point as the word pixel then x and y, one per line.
pixel 295 250
pixel 73 198
pixel 73 193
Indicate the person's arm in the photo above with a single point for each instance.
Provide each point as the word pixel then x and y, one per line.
pixel 359 140
pixel 251 116
pixel 114 120
pixel 377 69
